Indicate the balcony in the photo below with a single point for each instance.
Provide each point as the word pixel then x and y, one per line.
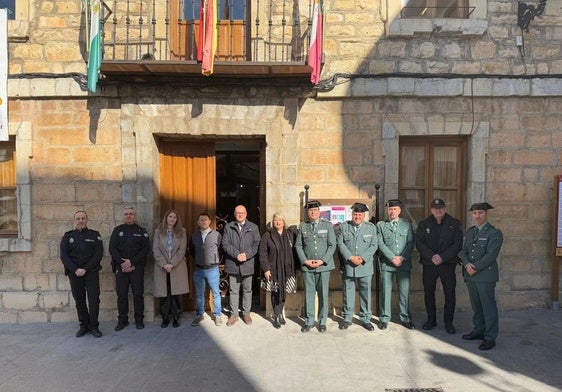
pixel 157 39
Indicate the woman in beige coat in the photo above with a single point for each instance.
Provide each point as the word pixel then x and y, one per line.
pixel 170 268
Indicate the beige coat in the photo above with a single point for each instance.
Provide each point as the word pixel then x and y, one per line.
pixel 178 277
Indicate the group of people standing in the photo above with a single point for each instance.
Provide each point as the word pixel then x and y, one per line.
pixel 438 239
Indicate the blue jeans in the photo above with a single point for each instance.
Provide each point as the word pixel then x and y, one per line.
pixel 212 276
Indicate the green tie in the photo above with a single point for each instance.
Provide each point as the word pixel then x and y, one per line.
pixel 314 227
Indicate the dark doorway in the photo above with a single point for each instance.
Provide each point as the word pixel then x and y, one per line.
pixel 215 176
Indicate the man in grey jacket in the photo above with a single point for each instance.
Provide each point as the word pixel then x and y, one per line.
pixel 204 248
pixel 240 243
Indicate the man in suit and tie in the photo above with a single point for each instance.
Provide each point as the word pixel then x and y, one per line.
pixel 479 253
pixel 396 243
pixel 315 246
pixel 357 243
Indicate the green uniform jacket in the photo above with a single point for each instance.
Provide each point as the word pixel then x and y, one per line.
pixel 399 242
pixel 316 246
pixel 481 248
pixel 361 243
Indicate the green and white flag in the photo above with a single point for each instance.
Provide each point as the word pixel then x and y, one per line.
pixel 94 56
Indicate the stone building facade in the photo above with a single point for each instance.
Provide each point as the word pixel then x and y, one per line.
pixel 384 78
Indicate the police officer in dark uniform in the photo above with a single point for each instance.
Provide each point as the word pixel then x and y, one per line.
pixel 439 240
pixel 81 251
pixel 129 245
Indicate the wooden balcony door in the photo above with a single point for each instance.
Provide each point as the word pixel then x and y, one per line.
pixel 232 36
pixel 188 185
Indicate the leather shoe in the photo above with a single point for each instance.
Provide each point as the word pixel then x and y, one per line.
pixel 409 325
pixel 321 328
pixel 165 322
pixel 450 329
pixel 139 324
pixel 429 325
pixel 368 326
pixel 305 328
pixel 231 321
pixel 487 344
pixel 473 336
pixel 282 319
pixel 383 325
pixel 120 326
pixel 345 325
pixel 276 322
pixel 175 323
pixel 247 319
pixel 82 331
pixel 96 333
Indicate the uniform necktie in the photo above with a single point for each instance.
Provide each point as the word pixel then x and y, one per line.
pixel 314 227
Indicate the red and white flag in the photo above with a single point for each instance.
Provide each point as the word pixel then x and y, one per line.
pixel 207 42
pixel 316 36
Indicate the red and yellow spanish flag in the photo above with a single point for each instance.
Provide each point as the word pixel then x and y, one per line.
pixel 207 43
pixel 316 36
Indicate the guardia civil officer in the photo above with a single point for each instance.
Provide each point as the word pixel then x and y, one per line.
pixel 396 243
pixel 479 253
pixel 129 245
pixel 357 244
pixel 439 240
pixel 315 246
pixel 81 251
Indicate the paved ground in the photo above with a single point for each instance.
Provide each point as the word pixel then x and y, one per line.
pixel 48 358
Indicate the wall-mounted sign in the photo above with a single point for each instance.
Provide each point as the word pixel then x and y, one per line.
pixel 3 74
pixel 339 210
pixel 558 195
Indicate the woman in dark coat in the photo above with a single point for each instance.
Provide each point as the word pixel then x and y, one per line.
pixel 277 264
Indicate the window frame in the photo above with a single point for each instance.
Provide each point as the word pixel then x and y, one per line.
pixel 430 143
pixel 10 145
pixel 475 25
pixel 22 133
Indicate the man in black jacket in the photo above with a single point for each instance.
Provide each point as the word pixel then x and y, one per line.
pixel 81 251
pixel 439 240
pixel 129 245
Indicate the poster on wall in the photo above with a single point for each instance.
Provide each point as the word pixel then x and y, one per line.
pixel 3 74
pixel 338 211
pixel 558 184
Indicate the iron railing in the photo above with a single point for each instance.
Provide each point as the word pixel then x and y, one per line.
pixel 167 30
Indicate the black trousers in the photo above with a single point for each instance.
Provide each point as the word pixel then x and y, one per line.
pixel 446 273
pixel 170 305
pixel 123 280
pixel 87 286
pixel 277 303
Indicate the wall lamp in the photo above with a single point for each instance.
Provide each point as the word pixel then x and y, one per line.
pixel 526 13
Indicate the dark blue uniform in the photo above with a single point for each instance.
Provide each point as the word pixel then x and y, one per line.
pixel 83 249
pixel 129 242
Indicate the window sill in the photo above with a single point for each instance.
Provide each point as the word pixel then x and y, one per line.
pixel 18 31
pixel 440 26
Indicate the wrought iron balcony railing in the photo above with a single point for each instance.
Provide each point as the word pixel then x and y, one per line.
pixel 267 31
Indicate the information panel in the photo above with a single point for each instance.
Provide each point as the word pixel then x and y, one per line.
pixel 3 74
pixel 558 194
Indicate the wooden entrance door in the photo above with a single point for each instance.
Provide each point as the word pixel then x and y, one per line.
pixel 188 185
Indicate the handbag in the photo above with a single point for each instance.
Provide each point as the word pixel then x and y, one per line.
pixel 291 285
pixel 269 285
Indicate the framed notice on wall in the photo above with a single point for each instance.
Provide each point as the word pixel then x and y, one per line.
pixel 337 211
pixel 558 211
pixel 3 74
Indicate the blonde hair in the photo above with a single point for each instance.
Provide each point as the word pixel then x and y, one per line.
pixel 280 216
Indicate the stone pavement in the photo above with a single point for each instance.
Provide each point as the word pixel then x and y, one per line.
pixel 48 358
